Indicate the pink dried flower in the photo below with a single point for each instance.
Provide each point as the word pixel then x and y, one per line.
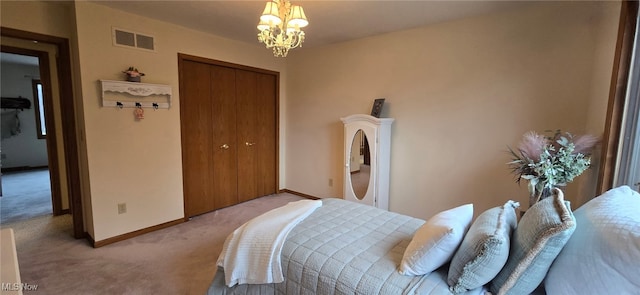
pixel 550 161
pixel 133 72
pixel 584 144
pixel 532 145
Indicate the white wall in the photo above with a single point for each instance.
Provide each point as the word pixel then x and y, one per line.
pixel 23 149
pixel 139 163
pixel 460 92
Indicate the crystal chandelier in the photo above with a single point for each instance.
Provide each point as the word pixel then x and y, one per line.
pixel 280 25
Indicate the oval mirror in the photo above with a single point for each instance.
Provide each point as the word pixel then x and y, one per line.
pixel 360 163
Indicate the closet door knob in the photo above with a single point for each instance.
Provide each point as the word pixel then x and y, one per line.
pixel 224 146
pixel 249 143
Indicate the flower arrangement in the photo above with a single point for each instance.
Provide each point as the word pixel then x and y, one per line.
pixel 550 161
pixel 133 75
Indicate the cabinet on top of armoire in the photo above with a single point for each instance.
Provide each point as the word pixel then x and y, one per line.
pixel 228 117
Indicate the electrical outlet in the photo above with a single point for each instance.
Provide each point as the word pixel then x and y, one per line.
pixel 330 181
pixel 122 208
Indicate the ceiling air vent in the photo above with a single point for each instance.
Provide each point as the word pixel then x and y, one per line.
pixel 132 40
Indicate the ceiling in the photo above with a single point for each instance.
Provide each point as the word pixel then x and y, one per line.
pixel 329 21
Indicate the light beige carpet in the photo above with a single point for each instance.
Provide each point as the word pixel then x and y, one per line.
pixel 25 195
pixel 176 260
pixel 360 181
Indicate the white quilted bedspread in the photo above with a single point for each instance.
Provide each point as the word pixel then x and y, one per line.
pixel 251 254
pixel 346 248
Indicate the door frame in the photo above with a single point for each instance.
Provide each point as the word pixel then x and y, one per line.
pixel 51 139
pixel 68 117
pixel 186 57
pixel 618 89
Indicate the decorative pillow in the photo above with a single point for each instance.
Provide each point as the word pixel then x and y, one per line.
pixel 603 254
pixel 541 233
pixel 436 241
pixel 484 250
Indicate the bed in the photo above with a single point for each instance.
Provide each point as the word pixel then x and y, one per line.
pixel 346 248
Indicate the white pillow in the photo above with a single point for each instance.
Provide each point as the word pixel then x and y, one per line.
pixel 603 254
pixel 436 241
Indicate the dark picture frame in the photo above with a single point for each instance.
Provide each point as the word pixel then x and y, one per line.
pixel 377 107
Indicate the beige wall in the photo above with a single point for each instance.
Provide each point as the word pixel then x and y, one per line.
pixel 44 17
pixel 460 92
pixel 604 35
pixel 139 163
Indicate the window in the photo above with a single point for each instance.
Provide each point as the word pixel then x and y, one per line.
pixel 629 167
pixel 38 102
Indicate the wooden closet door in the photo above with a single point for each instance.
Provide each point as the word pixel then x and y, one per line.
pixel 223 134
pixel 266 132
pixel 248 142
pixel 229 133
pixel 195 114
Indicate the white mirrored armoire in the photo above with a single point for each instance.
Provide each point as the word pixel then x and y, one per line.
pixel 367 154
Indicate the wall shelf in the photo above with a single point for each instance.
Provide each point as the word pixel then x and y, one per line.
pixel 135 94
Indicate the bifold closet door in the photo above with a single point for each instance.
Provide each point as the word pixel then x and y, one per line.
pixel 256 122
pixel 208 117
pixel 224 137
pixel 195 116
pixel 266 130
pixel 229 135
pixel 248 142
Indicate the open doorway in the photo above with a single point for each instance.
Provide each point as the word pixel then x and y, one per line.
pixel 66 159
pixel 26 181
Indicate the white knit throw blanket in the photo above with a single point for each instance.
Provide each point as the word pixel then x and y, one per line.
pixel 251 254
